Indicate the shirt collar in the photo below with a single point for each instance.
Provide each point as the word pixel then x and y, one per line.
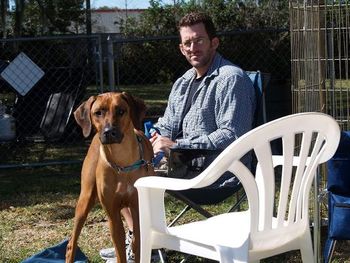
pixel 213 69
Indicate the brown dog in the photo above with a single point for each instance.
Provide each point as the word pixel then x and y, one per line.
pixel 119 154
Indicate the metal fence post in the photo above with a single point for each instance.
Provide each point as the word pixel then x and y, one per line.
pixel 110 57
pixel 100 64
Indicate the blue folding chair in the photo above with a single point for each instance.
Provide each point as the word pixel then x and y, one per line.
pixel 338 188
pixel 260 81
pixel 180 162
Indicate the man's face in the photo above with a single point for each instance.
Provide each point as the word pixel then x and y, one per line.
pixel 197 47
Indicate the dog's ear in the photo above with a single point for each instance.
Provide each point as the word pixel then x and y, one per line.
pixel 82 116
pixel 137 109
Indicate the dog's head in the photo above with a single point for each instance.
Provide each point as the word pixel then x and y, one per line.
pixel 111 114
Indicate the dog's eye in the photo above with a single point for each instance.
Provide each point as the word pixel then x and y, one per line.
pixel 120 112
pixel 98 113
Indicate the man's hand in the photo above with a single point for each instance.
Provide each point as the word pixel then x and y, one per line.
pixel 161 143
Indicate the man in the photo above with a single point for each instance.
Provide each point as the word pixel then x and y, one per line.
pixel 212 104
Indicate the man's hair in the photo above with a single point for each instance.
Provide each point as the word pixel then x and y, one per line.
pixel 194 18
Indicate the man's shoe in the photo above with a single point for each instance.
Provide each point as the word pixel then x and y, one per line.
pixel 155 258
pixel 109 253
pixel 114 260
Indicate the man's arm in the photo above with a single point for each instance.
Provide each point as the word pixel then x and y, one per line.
pixel 233 113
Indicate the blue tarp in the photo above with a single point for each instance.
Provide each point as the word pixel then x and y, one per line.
pixel 56 254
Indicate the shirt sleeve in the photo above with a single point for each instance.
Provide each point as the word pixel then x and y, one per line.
pixel 165 123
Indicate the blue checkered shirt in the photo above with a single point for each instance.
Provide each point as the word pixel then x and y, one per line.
pixel 222 108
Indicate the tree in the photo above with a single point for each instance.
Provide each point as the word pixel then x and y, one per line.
pixel 57 16
pixel 47 17
pixel 18 17
pixel 228 15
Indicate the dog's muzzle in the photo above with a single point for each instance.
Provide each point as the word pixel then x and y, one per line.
pixel 111 135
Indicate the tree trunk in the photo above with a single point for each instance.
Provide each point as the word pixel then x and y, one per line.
pixel 19 12
pixel 3 12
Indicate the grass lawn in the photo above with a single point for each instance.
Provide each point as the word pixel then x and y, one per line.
pixel 37 210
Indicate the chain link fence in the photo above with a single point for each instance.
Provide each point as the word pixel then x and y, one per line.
pixel 158 61
pixel 320 58
pixel 43 80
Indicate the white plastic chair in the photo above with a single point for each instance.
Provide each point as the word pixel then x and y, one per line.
pixel 278 216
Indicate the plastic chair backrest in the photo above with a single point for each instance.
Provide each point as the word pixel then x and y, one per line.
pixel 56 116
pixel 278 217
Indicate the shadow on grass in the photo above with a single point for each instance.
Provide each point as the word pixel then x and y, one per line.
pixel 37 208
pixel 30 186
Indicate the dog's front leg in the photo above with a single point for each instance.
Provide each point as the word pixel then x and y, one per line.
pixel 86 201
pixel 136 239
pixel 117 233
pixel 84 205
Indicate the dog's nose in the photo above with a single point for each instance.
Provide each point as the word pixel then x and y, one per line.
pixel 110 135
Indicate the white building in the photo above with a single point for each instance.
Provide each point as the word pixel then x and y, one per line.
pixel 109 20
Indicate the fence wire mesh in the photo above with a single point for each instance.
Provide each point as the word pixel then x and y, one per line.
pixel 151 61
pixel 320 58
pixel 42 81
pixel 75 67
